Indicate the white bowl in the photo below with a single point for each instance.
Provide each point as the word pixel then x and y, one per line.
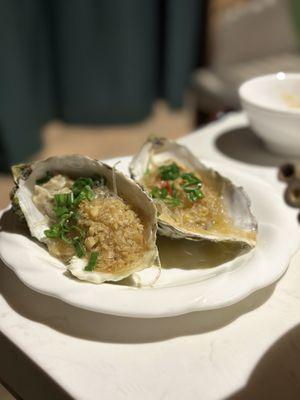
pixel 272 103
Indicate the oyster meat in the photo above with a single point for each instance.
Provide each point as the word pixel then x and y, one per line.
pixel 193 201
pixel 99 222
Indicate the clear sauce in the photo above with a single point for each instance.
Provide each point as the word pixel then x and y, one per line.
pixel 188 254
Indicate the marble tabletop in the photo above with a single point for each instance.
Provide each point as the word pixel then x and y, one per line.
pixel 250 350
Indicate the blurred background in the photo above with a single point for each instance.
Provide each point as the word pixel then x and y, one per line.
pixel 96 77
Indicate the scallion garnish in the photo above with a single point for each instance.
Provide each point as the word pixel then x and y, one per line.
pixel 60 211
pixel 191 178
pixel 192 187
pixel 168 191
pixel 169 172
pixel 54 232
pixel 79 248
pixel 195 195
pixel 65 208
pixel 64 199
pixel 80 184
pixel 173 201
pixel 157 193
pixel 92 261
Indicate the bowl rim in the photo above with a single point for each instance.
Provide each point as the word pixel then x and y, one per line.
pixel 269 77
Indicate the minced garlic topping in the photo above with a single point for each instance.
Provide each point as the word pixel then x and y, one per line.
pixel 113 229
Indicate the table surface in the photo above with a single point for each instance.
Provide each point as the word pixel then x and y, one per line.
pixel 51 350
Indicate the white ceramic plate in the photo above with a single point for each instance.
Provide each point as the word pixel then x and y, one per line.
pixel 194 277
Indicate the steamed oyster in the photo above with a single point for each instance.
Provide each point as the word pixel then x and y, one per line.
pixel 90 216
pixel 193 202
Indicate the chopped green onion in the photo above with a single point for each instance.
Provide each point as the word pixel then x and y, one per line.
pixel 195 195
pixel 155 192
pixel 64 199
pixel 79 248
pixel 65 208
pixel 64 219
pixel 174 190
pixel 44 179
pixel 188 189
pixel 190 184
pixel 173 201
pixel 92 261
pixel 163 193
pixel 54 232
pixel 71 234
pixel 79 198
pixel 64 237
pixel 191 178
pixel 192 187
pixel 169 172
pixel 80 184
pixel 60 211
pixel 75 230
pixel 90 195
pixel 74 215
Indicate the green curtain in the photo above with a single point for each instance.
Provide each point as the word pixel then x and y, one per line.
pixel 90 61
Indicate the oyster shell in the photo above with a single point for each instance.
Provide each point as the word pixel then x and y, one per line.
pixel 76 166
pixel 234 221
